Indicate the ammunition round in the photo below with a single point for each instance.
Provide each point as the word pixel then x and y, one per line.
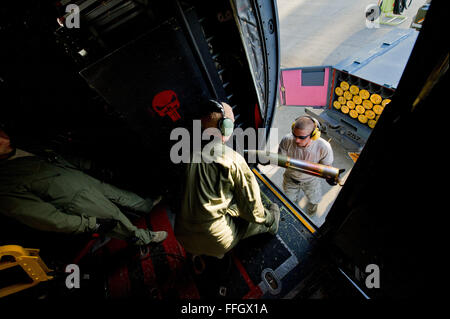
pixel 362 118
pixel 354 89
pixel 338 91
pixel 344 85
pixel 345 109
pixel 348 95
pixel 385 101
pixel 375 98
pixel 370 114
pixel 350 105
pixel 337 105
pixel 364 94
pixel 367 104
pixel 342 100
pixel 360 109
pixel 378 109
pixel 357 99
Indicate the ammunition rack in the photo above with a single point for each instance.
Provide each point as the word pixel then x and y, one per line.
pixel 350 94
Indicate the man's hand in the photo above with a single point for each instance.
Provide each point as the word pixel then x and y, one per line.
pixel 331 181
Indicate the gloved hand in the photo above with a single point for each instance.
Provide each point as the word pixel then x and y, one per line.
pixel 331 181
pixel 335 181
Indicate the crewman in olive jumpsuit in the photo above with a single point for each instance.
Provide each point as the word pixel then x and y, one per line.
pixel 58 197
pixel 222 202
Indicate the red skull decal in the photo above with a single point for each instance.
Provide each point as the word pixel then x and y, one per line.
pixel 166 103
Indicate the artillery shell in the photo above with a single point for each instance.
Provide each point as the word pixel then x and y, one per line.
pixel 348 95
pixel 367 104
pixel 375 98
pixel 378 109
pixel 344 86
pixel 337 105
pixel 357 99
pixel 370 114
pixel 350 105
pixel 354 89
pixel 360 109
pixel 385 101
pixel 362 118
pixel 364 94
pixel 345 109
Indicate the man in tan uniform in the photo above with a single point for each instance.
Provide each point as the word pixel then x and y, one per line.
pixel 222 201
pixel 304 143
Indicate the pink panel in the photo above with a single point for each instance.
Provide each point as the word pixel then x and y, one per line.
pixel 296 94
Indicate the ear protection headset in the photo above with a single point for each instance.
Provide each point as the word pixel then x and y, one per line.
pixel 315 134
pixel 225 124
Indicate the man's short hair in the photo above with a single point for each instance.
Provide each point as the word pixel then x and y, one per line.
pixel 304 123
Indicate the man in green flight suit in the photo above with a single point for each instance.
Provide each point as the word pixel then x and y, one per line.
pixel 58 197
pixel 222 201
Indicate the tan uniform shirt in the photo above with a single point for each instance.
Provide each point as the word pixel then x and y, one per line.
pixel 318 151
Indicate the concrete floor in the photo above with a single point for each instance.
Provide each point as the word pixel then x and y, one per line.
pixel 322 32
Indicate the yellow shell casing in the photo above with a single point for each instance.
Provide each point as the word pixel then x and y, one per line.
pixel 375 98
pixel 342 100
pixel 370 114
pixel 345 109
pixel 367 104
pixel 357 99
pixel 337 105
pixel 353 114
pixel 360 109
pixel 350 105
pixel 378 109
pixel 385 101
pixel 344 86
pixel 364 94
pixel 354 89
pixel 348 95
pixel 362 118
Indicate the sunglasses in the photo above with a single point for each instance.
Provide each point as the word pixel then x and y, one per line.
pixel 301 137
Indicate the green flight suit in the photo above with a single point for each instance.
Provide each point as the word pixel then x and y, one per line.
pixel 222 204
pixel 58 197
